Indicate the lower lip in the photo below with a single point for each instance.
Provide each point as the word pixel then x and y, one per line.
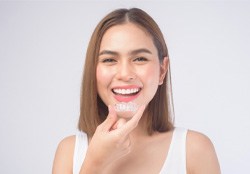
pixel 122 98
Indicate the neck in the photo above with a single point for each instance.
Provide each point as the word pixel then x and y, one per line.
pixel 141 131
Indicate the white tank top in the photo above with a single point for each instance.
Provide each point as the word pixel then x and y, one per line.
pixel 175 162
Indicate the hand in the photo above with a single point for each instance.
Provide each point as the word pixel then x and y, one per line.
pixel 110 141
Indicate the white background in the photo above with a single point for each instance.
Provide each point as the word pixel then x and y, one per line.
pixel 42 48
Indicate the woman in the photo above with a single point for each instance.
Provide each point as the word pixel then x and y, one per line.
pixel 125 121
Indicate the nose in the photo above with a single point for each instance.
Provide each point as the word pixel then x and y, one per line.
pixel 125 72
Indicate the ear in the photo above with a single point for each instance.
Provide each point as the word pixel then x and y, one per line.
pixel 163 69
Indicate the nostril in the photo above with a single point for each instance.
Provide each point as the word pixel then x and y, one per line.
pixel 125 72
pixel 126 77
pixel 131 77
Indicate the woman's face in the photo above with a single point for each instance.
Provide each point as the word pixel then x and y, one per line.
pixel 128 68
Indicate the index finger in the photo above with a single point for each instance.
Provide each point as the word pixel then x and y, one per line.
pixel 132 123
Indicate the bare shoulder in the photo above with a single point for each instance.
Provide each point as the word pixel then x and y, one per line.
pixel 201 155
pixel 63 161
pixel 198 141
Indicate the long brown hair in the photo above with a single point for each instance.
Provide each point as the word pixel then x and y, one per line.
pixel 92 109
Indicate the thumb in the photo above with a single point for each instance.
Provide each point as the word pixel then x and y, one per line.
pixel 119 123
pixel 110 120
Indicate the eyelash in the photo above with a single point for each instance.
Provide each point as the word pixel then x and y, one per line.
pixel 141 59
pixel 108 60
pixel 111 60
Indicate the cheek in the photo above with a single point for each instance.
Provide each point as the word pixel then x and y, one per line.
pixel 151 75
pixel 151 80
pixel 98 74
pixel 103 76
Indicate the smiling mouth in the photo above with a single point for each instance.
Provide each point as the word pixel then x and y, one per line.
pixel 126 92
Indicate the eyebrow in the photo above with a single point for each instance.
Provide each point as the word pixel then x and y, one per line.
pixel 133 52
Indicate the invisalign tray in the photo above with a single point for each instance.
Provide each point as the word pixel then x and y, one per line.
pixel 123 107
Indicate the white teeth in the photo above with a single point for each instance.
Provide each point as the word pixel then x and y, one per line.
pixel 123 107
pixel 126 91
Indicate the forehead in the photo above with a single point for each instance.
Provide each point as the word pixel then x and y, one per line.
pixel 127 37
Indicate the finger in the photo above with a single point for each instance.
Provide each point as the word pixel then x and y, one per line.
pixel 132 123
pixel 110 120
pixel 119 123
pixel 127 143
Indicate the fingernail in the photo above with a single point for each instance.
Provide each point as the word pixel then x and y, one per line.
pixel 109 107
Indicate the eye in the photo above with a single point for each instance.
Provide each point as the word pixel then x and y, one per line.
pixel 141 59
pixel 108 60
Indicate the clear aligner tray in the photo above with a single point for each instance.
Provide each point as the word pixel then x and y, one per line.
pixel 123 107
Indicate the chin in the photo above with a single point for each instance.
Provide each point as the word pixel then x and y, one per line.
pixel 127 115
pixel 126 110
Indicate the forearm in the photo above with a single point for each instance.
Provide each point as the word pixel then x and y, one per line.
pixel 90 167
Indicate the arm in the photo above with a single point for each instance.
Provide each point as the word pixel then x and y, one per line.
pixel 201 155
pixel 113 138
pixel 63 160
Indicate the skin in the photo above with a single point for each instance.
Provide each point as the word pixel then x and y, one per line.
pixel 128 57
pixel 126 146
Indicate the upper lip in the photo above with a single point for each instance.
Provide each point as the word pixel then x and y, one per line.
pixel 126 87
